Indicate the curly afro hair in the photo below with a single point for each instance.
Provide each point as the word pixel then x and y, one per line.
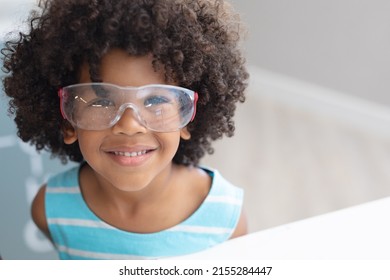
pixel 197 42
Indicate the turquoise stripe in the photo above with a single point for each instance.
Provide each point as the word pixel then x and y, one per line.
pixel 84 239
pixel 75 207
pixel 65 179
pixel 65 256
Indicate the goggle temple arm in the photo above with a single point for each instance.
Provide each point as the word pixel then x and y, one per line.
pixel 61 96
pixel 196 97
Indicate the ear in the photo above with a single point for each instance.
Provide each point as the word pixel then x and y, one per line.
pixel 185 134
pixel 69 133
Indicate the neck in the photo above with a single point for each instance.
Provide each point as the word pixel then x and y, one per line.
pixel 97 190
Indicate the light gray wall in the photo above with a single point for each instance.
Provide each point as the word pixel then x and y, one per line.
pixel 339 44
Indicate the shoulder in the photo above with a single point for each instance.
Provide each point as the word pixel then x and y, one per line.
pixel 66 178
pixel 38 207
pixel 221 187
pixel 195 179
pixel 38 211
pixel 242 226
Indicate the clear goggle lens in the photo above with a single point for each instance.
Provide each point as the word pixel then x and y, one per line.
pixel 98 106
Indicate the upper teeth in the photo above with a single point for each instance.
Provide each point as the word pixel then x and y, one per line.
pixel 132 154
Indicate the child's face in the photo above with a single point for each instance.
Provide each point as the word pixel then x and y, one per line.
pixel 127 155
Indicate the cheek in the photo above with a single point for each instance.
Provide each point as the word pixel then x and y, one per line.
pixel 170 142
pixel 88 142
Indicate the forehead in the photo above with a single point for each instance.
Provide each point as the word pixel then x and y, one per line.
pixel 120 68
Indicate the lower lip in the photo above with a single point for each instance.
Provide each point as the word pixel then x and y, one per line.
pixel 130 161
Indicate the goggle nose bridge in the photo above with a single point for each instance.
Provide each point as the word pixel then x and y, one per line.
pixel 123 108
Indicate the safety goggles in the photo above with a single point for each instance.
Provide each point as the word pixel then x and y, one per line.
pixel 98 106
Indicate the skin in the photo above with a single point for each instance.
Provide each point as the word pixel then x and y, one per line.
pixel 142 194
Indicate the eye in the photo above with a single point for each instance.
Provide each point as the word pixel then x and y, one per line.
pixel 156 100
pixel 100 90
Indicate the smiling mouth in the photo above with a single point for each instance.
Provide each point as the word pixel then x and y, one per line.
pixel 131 154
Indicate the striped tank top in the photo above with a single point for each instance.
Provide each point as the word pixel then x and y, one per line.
pixel 78 233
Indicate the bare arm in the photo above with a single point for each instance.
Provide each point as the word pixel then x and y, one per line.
pixel 242 226
pixel 38 212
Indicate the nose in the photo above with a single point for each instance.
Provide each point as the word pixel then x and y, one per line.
pixel 129 122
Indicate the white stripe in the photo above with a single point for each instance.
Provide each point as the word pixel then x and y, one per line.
pixel 200 229
pixel 79 222
pixel 100 224
pixel 98 255
pixel 224 199
pixel 69 190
